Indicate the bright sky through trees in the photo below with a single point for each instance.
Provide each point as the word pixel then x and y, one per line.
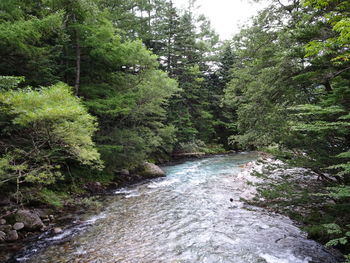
pixel 225 15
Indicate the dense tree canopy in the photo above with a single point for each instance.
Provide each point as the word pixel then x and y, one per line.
pixel 108 84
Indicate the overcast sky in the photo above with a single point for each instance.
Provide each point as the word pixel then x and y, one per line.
pixel 225 15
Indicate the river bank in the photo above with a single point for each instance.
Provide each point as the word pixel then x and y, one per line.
pixel 193 215
pixel 21 225
pixel 195 196
pixel 47 220
pixel 292 191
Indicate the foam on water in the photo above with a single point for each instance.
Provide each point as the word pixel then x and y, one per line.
pixel 285 258
pixel 123 191
pixel 163 183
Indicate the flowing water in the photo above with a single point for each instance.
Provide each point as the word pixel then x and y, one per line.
pixel 187 217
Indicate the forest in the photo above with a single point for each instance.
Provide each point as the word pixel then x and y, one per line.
pixel 91 87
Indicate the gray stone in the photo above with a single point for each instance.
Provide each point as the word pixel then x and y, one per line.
pixel 42 213
pixel 2 236
pixel 2 221
pixel 124 172
pixel 18 226
pixel 57 230
pixel 30 220
pixel 12 235
pixel 150 170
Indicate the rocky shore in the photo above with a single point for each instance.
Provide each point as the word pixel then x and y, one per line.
pixel 270 182
pixel 20 226
pixel 295 192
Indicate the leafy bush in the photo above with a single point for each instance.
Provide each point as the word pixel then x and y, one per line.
pixel 42 131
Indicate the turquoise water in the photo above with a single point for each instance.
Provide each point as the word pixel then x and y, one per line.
pixel 188 217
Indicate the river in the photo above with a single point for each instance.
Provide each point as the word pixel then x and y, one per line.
pixel 187 217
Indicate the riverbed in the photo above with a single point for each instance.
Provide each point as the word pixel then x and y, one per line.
pixel 194 214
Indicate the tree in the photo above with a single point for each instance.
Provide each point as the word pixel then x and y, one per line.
pixel 42 131
pixel 31 41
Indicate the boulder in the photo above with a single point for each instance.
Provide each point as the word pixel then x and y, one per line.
pixel 18 226
pixel 12 235
pixel 30 220
pixel 150 170
pixel 2 221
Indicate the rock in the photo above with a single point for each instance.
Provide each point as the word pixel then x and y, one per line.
pixel 18 226
pixel 150 170
pixel 2 236
pixel 57 230
pixel 124 172
pixel 51 217
pixel 30 220
pixel 12 235
pixel 42 213
pixel 2 221
pixel 94 187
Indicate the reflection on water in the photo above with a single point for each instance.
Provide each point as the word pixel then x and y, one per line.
pixel 188 217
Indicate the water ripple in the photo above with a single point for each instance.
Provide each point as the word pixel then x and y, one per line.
pixel 187 217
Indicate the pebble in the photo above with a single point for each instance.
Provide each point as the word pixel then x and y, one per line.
pixel 12 235
pixel 18 226
pixel 57 230
pixel 2 221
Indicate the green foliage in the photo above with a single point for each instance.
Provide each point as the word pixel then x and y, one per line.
pixel 7 82
pixel 336 14
pixel 52 198
pixel 340 236
pixel 41 130
pixel 27 45
pixel 339 192
pixel 289 87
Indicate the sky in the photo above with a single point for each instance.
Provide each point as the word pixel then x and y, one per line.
pixel 225 15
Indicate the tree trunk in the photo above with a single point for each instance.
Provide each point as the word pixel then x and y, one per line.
pixel 169 40
pixel 78 60
pixel 328 86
